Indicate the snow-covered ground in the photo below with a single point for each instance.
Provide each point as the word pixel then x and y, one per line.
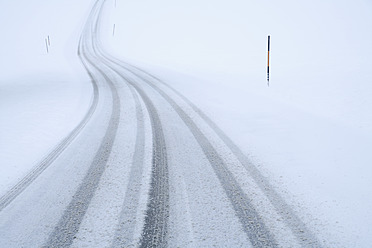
pixel 43 96
pixel 310 132
pixel 321 166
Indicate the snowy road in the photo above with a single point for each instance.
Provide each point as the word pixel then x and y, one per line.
pixel 147 168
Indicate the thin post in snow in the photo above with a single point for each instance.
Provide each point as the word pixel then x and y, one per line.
pixel 115 3
pixel 48 41
pixel 268 60
pixel 113 30
pixel 46 44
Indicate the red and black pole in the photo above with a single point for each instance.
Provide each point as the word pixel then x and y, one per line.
pixel 268 58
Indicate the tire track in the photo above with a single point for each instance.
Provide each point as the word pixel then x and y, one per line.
pixel 157 214
pixel 252 223
pixel 304 236
pixel 261 237
pixel 297 226
pixel 125 229
pixel 156 220
pixel 16 190
pixel 64 233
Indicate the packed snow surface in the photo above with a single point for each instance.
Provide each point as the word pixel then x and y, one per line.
pixel 309 132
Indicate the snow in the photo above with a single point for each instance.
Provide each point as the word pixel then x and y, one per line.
pixel 42 96
pixel 310 132
pixel 321 166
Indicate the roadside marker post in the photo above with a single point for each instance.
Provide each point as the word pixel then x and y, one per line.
pixel 46 44
pixel 268 60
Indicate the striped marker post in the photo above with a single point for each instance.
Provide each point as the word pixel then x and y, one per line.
pixel 268 58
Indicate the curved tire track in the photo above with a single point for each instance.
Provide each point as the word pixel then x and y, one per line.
pixel 16 190
pixel 297 226
pixel 252 223
pixel 125 228
pixel 155 228
pixel 64 233
pixel 156 220
pixel 299 229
